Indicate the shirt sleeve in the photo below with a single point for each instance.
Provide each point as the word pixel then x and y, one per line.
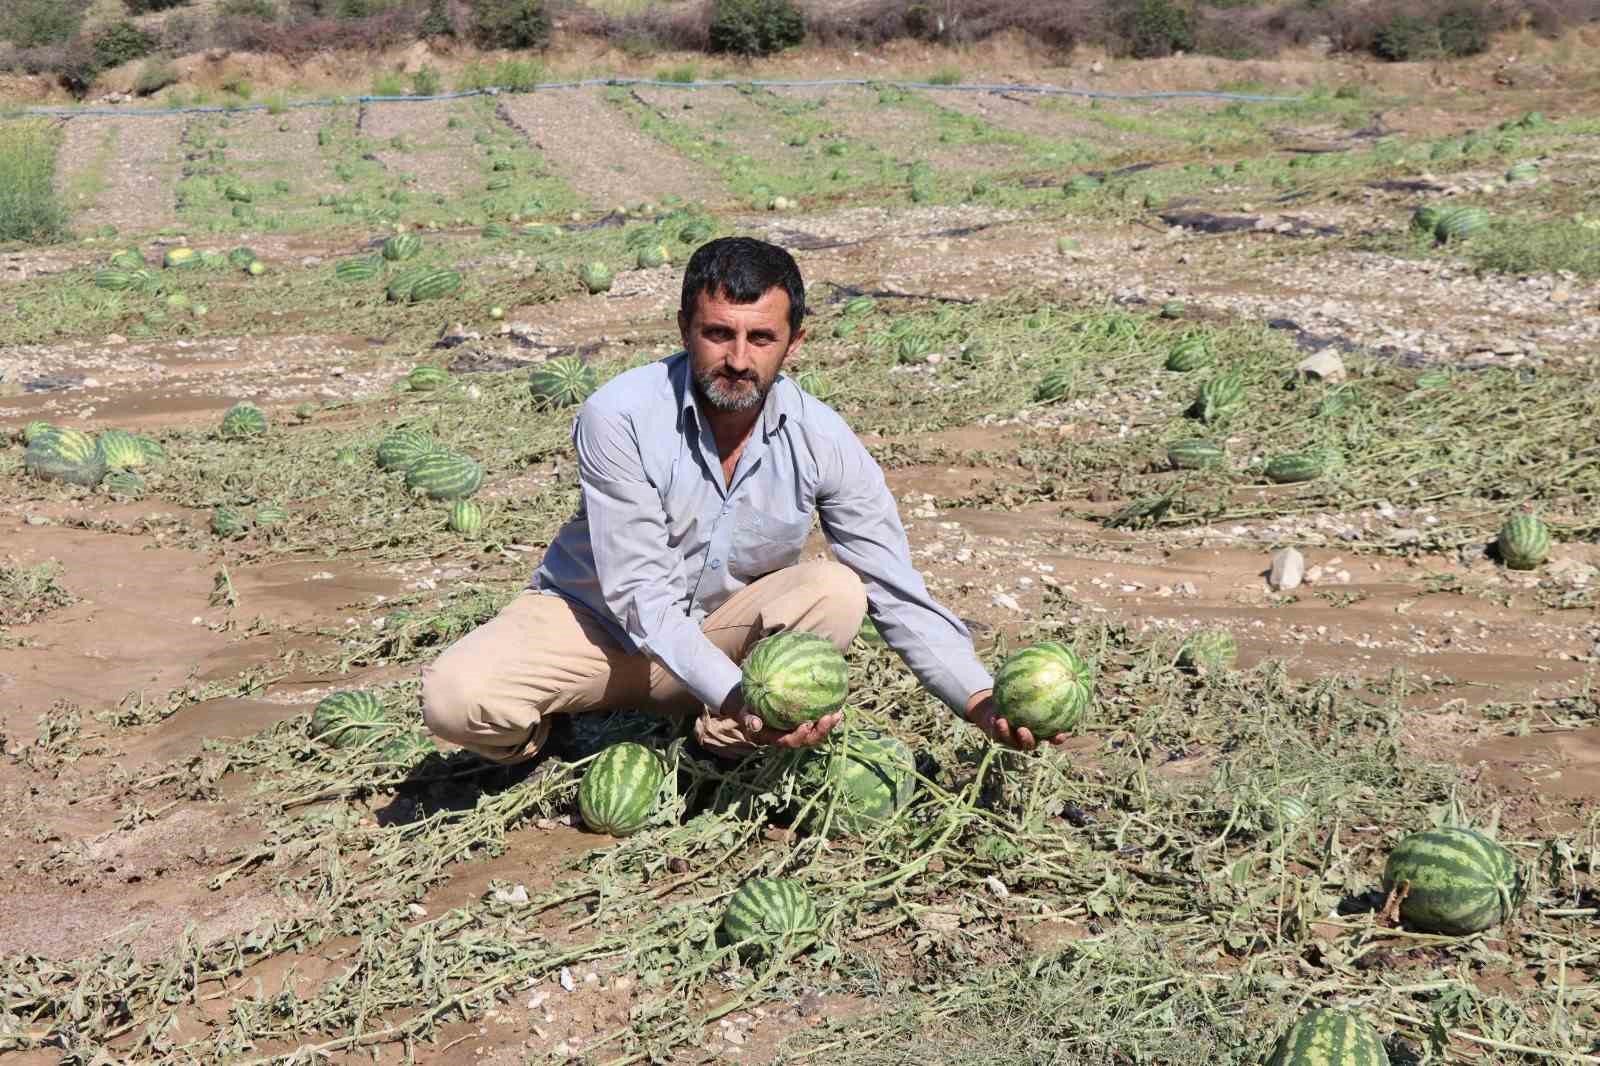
pixel 862 524
pixel 640 576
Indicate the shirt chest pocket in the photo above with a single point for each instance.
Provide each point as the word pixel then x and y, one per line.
pixel 764 542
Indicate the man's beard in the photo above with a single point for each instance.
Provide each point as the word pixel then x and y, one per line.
pixel 731 393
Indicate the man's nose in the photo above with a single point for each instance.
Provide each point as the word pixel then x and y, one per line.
pixel 738 355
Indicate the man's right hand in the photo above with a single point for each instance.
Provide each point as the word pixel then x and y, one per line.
pixel 807 735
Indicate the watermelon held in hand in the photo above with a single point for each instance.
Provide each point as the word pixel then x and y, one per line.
pixel 563 381
pixel 1454 881
pixel 767 910
pixel 349 719
pixel 1044 688
pixel 67 455
pixel 619 789
pixel 794 677
pixel 1523 543
pixel 866 777
pixel 1327 1037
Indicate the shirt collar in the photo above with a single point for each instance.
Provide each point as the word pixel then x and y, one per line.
pixel 774 410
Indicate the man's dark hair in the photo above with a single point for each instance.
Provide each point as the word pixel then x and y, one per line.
pixel 743 269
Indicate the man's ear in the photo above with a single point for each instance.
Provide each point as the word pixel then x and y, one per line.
pixel 795 342
pixel 684 323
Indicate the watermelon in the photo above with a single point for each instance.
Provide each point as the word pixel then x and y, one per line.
pixel 1195 454
pixel 1218 396
pixel 1338 401
pixel 427 378
pixel 127 259
pixel 401 246
pixel 68 455
pixel 1281 812
pixel 347 456
pixel 445 476
pixel 238 194
pixel 652 256
pixel 1295 467
pixel 242 257
pixel 243 420
pixel 364 269
pixel 124 483
pixel 1044 688
pixel 348 719
pixel 407 748
pixel 696 232
pixel 34 430
pixel 122 450
pixel 866 777
pixel 1327 1037
pixel 1455 881
pixel 434 284
pixel 1459 223
pixel 815 382
pixel 114 280
pixel 1523 543
pixel 269 515
pixel 153 451
pixel 794 677
pixel 399 449
pixel 868 633
pixel 1172 309
pixel 496 231
pixel 180 258
pixel 1208 649
pixel 228 523
pixel 1523 172
pixel 466 518
pixel 499 183
pixel 859 306
pixel 619 789
pixel 562 381
pixel 766 909
pixel 596 277
pixel 1056 384
pixel 1081 184
pixel 401 284
pixel 1190 353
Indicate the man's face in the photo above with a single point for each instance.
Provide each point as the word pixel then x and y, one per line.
pixel 736 350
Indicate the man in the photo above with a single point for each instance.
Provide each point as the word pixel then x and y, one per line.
pixel 699 476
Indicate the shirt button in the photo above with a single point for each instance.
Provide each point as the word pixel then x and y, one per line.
pixel 715 563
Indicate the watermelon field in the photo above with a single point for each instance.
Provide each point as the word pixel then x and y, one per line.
pixel 1282 415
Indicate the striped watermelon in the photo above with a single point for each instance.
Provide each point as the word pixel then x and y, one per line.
pixel 1195 454
pixel 816 383
pixel 1190 353
pixel 243 420
pixel 241 257
pixel 67 455
pixel 496 231
pixel 1459 223
pixel 767 909
pixel 122 450
pixel 114 280
pixel 124 483
pixel 269 515
pixel 1044 688
pixel 866 776
pixel 1425 220
pixel 652 256
pixel 153 451
pixel 1218 396
pixel 466 518
pixel 562 381
pixel 34 430
pixel 127 259
pixel 1327 1037
pixel 868 633
pixel 1056 384
pixel 180 258
pixel 1523 172
pixel 618 792
pixel 1281 812
pixel 349 719
pixel 445 476
pixel 228 523
pixel 1208 649
pixel 407 748
pixel 427 378
pixel 596 277
pixel 794 677
pixel 401 246
pixel 696 231
pixel 1523 543
pixel 1295 467
pixel 434 284
pixel 1456 881
pixel 399 449
pixel 401 284
pixel 363 269
pixel 1081 184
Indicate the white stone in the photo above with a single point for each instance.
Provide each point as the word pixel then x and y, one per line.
pixel 1288 568
pixel 1323 366
pixel 1006 600
pixel 567 983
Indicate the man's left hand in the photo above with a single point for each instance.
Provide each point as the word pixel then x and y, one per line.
pixel 982 712
pixel 806 735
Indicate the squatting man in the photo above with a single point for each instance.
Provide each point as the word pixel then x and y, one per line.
pixel 699 476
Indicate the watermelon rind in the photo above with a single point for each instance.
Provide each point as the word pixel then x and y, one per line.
pixel 1456 881
pixel 1044 688
pixel 1328 1037
pixel 348 719
pixel 445 476
pixel 619 789
pixel 67 455
pixel 765 910
pixel 861 780
pixel 563 381
pixel 1523 542
pixel 794 677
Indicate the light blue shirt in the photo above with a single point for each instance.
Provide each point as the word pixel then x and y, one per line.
pixel 660 540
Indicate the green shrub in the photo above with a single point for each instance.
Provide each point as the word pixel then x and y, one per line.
pixel 518 75
pixel 682 75
pixel 945 76
pixel 1461 29
pixel 265 10
pixel 755 27
pixel 389 84
pixel 426 82
pixel 119 43
pixel 29 210
pixel 512 24
pixel 156 74
pixel 1526 247
pixel 31 23
pixel 1155 28
pixel 144 7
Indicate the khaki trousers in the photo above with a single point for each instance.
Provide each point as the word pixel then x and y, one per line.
pixel 495 690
